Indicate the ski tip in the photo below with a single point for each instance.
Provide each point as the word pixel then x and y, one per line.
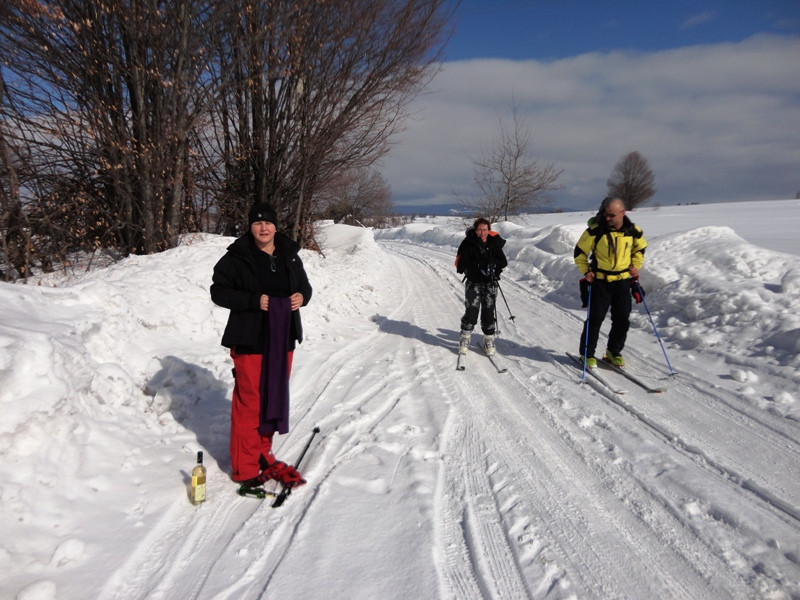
pixel 281 498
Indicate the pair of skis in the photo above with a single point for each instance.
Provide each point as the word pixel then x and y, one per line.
pixel 497 362
pixel 280 497
pixel 593 372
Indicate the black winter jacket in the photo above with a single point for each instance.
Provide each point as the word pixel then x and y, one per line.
pixel 236 286
pixel 481 262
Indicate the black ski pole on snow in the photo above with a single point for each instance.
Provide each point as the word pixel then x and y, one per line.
pixel 511 315
pixel 641 291
pixel 494 309
pixel 287 490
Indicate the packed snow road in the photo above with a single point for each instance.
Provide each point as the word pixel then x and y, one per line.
pixel 435 483
pixel 592 494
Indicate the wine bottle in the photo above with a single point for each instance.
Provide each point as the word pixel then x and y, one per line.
pixel 198 493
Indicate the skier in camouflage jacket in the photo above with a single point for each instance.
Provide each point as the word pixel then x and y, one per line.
pixel 481 259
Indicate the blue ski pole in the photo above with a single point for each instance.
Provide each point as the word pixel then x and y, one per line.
pixel 641 291
pixel 586 337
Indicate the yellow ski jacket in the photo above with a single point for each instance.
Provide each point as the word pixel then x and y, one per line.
pixel 610 253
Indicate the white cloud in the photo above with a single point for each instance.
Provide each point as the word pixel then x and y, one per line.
pixel 699 19
pixel 716 122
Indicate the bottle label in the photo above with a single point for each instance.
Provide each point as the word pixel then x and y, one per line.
pixel 198 490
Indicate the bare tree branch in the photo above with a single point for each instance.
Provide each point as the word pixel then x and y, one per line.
pixel 509 181
pixel 109 92
pixel 135 120
pixel 314 89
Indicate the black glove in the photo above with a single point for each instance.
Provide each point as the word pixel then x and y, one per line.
pixel 584 284
pixel 637 291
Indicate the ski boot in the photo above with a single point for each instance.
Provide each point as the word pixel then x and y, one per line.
pixel 463 341
pixel 614 359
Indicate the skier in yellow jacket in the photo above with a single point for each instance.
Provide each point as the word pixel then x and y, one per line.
pixel 610 254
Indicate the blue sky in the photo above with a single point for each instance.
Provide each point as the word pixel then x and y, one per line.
pixel 708 92
pixel 551 29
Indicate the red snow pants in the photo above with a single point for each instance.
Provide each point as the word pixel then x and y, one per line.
pixel 247 445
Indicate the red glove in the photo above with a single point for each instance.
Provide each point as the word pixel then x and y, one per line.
pixel 637 291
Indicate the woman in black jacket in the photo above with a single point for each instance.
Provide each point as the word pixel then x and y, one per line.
pixel 262 281
pixel 481 258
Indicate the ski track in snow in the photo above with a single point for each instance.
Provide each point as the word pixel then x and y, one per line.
pixel 579 510
pixel 546 509
pixel 631 509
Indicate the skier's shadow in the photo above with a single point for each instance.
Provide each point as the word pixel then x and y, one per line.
pixel 415 332
pixel 449 339
pixel 510 349
pixel 197 400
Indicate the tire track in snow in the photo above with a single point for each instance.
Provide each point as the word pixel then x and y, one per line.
pixel 730 576
pixel 478 559
pixel 768 443
pixel 708 406
pixel 157 568
pixel 457 572
pixel 572 547
pixel 680 410
pixel 482 534
pixel 469 525
pixel 722 458
pixel 555 516
pixel 621 521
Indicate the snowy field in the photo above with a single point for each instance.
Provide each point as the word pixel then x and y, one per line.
pixel 424 482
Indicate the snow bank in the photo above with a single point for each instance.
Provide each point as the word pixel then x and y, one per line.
pixel 705 286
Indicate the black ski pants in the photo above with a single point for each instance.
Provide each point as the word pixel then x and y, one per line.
pixel 614 295
pixel 479 297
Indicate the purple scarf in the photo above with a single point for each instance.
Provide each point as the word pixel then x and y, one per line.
pixel 274 414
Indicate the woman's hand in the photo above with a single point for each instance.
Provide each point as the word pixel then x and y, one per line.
pixel 297 300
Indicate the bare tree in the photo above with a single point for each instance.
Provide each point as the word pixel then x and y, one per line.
pixel 509 180
pixel 135 120
pixel 358 197
pixel 15 241
pixel 108 92
pixel 632 180
pixel 312 89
